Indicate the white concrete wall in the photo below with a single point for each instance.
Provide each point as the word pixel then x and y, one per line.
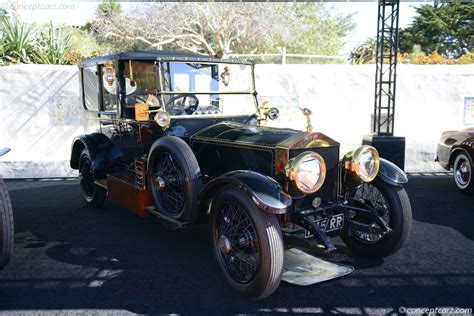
pixel 39 116
pixel 429 100
pixel 40 111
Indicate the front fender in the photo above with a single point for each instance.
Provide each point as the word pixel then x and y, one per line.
pixel 391 173
pixel 264 191
pixel 100 148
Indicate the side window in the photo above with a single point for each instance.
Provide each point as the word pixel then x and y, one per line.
pixel 109 93
pixel 90 83
pixel 140 83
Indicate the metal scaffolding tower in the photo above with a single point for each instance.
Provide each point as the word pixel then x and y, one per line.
pixel 386 66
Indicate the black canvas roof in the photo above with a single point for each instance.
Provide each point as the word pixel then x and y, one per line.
pixel 160 55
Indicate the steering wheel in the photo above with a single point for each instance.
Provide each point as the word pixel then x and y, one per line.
pixel 179 108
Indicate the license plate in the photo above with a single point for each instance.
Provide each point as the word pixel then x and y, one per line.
pixel 334 222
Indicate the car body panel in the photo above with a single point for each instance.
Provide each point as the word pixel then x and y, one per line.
pixel 100 148
pixel 453 141
pixel 265 192
pixel 391 173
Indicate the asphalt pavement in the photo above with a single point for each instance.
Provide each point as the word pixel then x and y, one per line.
pixel 70 258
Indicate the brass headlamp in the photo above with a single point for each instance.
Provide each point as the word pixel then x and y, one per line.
pixel 306 171
pixel 363 163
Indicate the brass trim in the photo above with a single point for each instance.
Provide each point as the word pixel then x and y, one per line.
pixel 350 162
pixel 304 140
pixel 282 155
pixel 239 143
pixel 307 113
pixel 168 121
pixel 207 92
pixel 160 83
pixel 293 166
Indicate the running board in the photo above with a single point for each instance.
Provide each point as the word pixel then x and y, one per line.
pixel 302 269
pixel 101 183
pixel 173 222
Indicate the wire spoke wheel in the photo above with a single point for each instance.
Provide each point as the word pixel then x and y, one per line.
pixel 246 243
pixel 237 243
pixel 392 205
pixel 174 179
pixel 169 183
pixel 372 196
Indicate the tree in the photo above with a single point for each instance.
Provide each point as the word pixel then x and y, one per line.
pixel 365 52
pixel 313 29
pixel 446 28
pixel 3 13
pixel 109 8
pixel 221 28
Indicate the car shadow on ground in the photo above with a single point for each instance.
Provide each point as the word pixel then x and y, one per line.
pixel 442 203
pixel 71 257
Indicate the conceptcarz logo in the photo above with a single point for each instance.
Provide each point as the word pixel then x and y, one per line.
pixel 70 6
pixel 42 6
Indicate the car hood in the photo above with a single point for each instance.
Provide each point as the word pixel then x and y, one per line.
pixel 262 136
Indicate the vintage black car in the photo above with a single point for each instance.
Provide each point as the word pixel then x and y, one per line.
pixel 456 150
pixel 183 137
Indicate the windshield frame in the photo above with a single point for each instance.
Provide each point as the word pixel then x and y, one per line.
pixel 160 92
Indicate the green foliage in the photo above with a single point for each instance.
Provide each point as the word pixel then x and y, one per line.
pixel 317 30
pixel 54 43
pixel 19 42
pixel 109 7
pixel 3 14
pixel 310 28
pixel 364 53
pixel 221 28
pixel 28 43
pixel 446 28
pixel 82 43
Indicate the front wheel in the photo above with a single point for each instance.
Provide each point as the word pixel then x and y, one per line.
pixel 393 206
pixel 247 244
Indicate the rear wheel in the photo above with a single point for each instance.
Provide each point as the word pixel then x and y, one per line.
pixel 247 244
pixel 6 226
pixel 393 206
pixel 92 193
pixel 463 173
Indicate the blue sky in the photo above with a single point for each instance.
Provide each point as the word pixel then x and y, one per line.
pixel 77 13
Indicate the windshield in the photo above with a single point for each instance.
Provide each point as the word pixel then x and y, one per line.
pixel 207 89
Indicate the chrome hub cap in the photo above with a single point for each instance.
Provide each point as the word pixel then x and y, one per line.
pixel 463 174
pixel 160 183
pixel 224 245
